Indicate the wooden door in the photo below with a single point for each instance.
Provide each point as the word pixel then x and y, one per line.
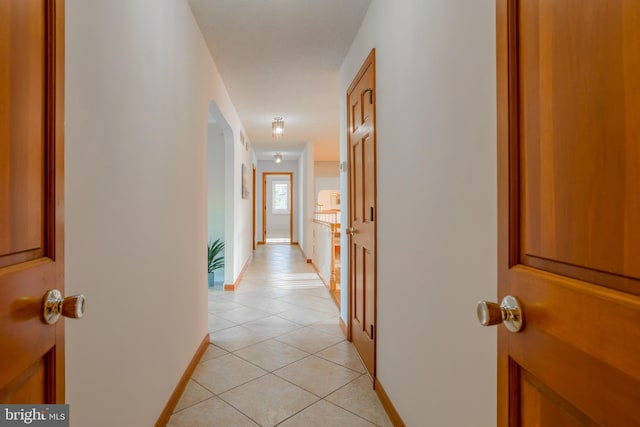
pixel 362 212
pixel 569 211
pixel 31 186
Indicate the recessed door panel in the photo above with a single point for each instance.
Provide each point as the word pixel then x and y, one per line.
pixel 369 172
pixel 580 182
pixel 358 300
pixel 22 131
pixel 358 190
pixel 542 407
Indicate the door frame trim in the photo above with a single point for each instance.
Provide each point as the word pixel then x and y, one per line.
pixel 253 207
pixel 264 204
pixel 508 248
pixel 55 141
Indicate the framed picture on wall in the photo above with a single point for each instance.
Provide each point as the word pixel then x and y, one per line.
pixel 245 182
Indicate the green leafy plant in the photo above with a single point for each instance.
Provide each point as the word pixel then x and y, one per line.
pixel 215 250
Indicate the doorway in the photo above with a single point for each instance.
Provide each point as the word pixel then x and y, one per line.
pixel 220 170
pixel 277 207
pixel 253 207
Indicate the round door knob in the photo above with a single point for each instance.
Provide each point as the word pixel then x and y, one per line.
pixel 508 312
pixel 54 305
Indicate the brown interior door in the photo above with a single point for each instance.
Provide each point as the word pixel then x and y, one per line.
pixel 569 211
pixel 31 227
pixel 362 212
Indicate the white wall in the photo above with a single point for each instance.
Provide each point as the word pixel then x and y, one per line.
pixel 436 204
pixel 239 254
pixel 139 80
pixel 327 177
pixel 216 186
pixel 326 169
pixel 227 156
pixel 307 199
pixel 322 251
pixel 326 183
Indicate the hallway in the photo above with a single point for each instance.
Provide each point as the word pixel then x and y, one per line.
pixel 278 355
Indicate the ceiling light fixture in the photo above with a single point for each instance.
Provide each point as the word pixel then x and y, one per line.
pixel 277 127
pixel 278 157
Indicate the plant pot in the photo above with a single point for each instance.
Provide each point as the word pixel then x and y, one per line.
pixel 212 277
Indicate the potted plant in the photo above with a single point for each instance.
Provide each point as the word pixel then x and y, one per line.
pixel 215 252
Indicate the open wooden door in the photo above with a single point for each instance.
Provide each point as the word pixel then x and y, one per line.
pixel 31 190
pixel 362 212
pixel 569 211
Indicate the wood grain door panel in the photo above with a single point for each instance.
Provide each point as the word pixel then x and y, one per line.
pixel 576 75
pixel 358 287
pixel 569 211
pixel 362 208
pixel 31 195
pixel 22 142
pixel 543 407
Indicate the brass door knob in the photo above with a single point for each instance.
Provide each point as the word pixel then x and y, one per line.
pixel 508 312
pixel 351 231
pixel 54 305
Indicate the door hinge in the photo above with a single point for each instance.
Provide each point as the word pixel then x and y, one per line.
pixel 372 331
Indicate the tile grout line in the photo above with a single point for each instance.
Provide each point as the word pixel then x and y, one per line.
pixel 280 286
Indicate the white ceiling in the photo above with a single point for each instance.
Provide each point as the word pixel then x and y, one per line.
pixel 281 58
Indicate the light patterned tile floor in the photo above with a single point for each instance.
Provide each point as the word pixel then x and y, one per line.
pixel 278 356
